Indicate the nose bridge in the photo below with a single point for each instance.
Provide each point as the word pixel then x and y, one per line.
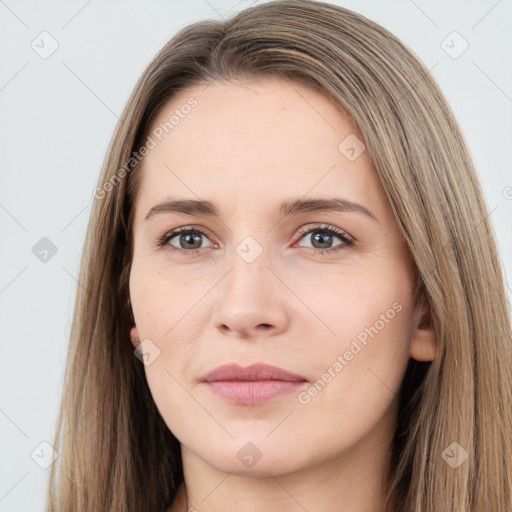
pixel 248 280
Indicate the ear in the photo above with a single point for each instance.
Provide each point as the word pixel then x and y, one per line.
pixel 134 336
pixel 423 338
pixel 134 333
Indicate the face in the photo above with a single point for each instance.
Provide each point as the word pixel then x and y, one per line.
pixel 323 291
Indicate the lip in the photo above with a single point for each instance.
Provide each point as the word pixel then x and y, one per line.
pixel 251 385
pixel 254 372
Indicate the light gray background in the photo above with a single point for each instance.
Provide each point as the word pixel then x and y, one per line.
pixel 58 114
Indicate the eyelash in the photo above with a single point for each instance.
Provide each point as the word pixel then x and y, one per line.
pixel 347 240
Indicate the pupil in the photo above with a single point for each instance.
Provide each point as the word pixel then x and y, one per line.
pixel 321 236
pixel 191 237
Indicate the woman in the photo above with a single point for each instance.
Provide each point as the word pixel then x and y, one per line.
pixel 291 295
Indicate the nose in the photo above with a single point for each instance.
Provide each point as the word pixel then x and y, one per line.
pixel 251 301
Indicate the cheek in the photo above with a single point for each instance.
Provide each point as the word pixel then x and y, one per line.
pixel 361 365
pixel 348 333
pixel 361 312
pixel 160 304
pixel 161 300
pixel 362 309
pixel 355 303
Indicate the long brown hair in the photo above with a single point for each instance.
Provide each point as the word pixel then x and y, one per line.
pixel 116 453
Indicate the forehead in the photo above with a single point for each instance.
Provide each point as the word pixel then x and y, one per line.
pixel 255 138
pixel 268 112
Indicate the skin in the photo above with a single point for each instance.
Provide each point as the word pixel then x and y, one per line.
pixel 247 147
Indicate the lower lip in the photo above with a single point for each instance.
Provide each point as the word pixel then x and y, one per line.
pixel 253 392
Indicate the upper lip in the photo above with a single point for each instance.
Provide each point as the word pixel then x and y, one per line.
pixel 254 372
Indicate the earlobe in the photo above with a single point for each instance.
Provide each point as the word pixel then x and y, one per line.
pixel 134 333
pixel 423 339
pixel 423 348
pixel 134 336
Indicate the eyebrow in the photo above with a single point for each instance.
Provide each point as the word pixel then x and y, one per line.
pixel 287 208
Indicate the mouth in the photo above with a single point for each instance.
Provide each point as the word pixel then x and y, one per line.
pixel 253 384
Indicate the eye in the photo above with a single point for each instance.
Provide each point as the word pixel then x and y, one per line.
pixel 322 239
pixel 188 240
